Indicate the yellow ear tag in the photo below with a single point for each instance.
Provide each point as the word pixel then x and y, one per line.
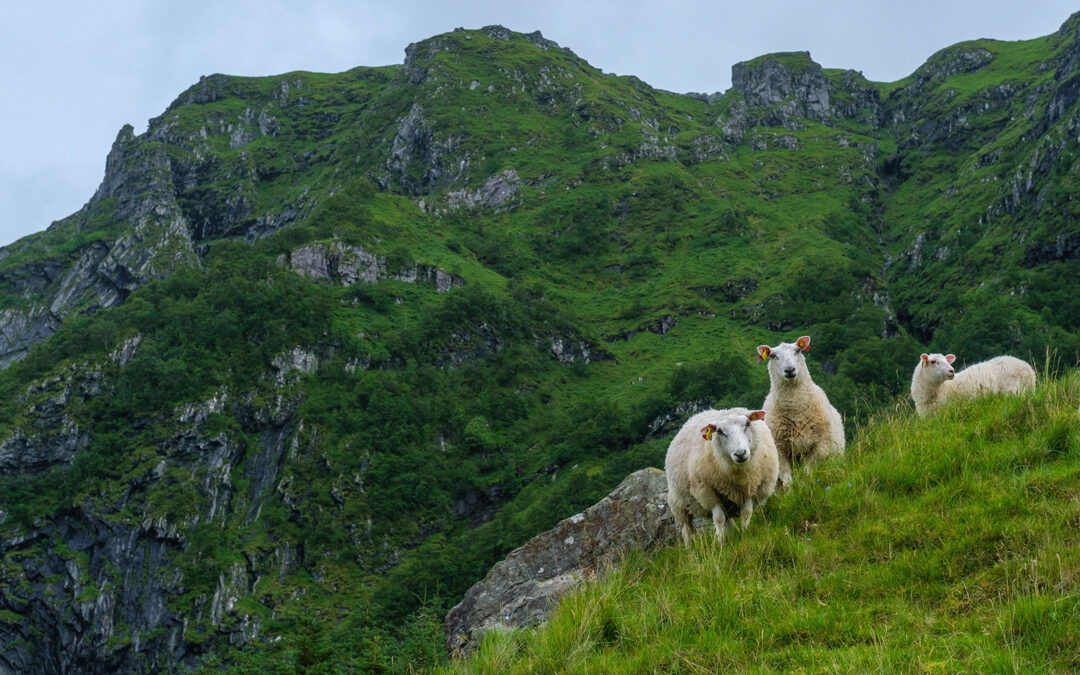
pixel 708 434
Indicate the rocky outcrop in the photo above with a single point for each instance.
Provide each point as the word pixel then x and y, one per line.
pixel 570 349
pixel 342 264
pixel 475 340
pixel 138 190
pixel 50 435
pixel 96 604
pixel 162 197
pixel 524 588
pixel 791 80
pixel 22 329
pixel 854 97
pixel 659 326
pixel 962 58
pixel 496 193
pixel 42 448
pixel 782 89
pixel 671 421
pixel 421 159
pixel 97 587
pixel 294 363
pixel 1064 247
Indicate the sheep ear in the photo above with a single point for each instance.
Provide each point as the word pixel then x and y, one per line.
pixel 756 415
pixel 925 358
pixel 763 352
pixel 707 431
pixel 803 343
pixel 950 358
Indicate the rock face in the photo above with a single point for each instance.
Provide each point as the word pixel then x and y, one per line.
pixel 776 78
pixel 495 193
pixel 790 86
pixel 421 160
pixel 94 588
pixel 152 214
pixel 523 589
pixel 569 349
pixel 50 436
pixel 21 330
pixel 137 189
pixel 72 608
pixel 339 263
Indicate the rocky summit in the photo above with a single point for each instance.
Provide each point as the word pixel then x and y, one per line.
pixel 323 349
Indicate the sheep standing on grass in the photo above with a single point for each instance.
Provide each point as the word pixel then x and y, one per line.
pixel 804 425
pixel 720 458
pixel 934 379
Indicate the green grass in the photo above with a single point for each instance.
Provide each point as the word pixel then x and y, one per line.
pixel 935 545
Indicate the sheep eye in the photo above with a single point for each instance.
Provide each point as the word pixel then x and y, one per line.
pixel 747 424
pixel 720 431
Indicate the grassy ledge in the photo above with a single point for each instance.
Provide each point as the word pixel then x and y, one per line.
pixel 937 544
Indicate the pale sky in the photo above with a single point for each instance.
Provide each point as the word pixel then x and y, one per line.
pixel 74 73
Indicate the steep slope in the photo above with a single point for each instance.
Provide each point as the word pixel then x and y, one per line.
pixel 983 185
pixel 321 348
pixel 939 543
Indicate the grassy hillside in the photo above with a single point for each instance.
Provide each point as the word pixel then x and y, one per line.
pixel 939 544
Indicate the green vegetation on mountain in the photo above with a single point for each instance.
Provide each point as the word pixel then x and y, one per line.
pixel 322 348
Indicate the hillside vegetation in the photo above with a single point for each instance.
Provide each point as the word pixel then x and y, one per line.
pixel 937 544
pixel 323 347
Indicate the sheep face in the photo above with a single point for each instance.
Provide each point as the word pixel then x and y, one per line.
pixel 732 437
pixel 938 367
pixel 786 360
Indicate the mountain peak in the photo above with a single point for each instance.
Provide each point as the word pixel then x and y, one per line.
pixel 774 78
pixel 420 56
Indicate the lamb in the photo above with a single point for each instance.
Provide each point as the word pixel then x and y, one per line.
pixel 934 379
pixel 720 458
pixel 804 425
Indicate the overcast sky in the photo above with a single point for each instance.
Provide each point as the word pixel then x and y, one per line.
pixel 74 72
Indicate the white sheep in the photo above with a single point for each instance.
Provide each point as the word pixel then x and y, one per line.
pixel 934 379
pixel 804 425
pixel 720 458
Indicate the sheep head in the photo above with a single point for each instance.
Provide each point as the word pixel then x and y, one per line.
pixel 786 361
pixel 732 437
pixel 938 367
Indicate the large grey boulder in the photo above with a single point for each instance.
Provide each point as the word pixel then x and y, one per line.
pixel 523 589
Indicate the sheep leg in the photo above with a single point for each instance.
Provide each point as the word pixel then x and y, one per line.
pixel 685 521
pixel 784 477
pixel 719 521
pixel 746 511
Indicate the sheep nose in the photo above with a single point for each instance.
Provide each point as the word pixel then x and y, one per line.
pixel 789 371
pixel 740 456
